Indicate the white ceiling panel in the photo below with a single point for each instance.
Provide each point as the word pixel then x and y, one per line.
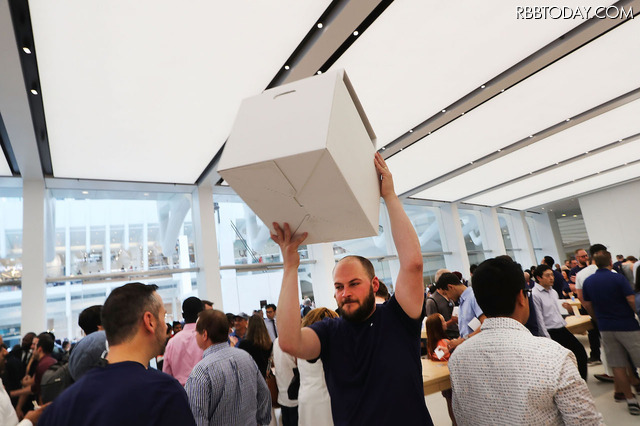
pixel 148 90
pixel 420 56
pixel 591 164
pixel 577 188
pixel 601 130
pixel 590 76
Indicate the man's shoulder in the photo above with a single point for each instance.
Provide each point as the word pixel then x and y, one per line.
pixel 509 342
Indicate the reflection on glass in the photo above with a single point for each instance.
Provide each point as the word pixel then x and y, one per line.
pixel 471 230
pixel 10 264
pixel 118 232
pixel 242 237
pixel 504 222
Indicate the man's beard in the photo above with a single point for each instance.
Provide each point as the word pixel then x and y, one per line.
pixel 364 310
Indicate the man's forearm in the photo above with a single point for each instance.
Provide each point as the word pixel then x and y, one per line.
pixel 404 234
pixel 289 309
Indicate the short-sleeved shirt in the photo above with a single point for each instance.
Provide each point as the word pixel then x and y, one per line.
pixel 372 365
pixel 124 393
pixel 469 309
pixel 608 292
pixel 43 365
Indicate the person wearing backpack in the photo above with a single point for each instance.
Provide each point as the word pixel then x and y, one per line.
pixel 44 348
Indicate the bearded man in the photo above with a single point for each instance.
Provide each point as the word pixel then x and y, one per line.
pixel 371 355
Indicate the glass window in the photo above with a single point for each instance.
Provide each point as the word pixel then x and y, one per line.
pixel 10 264
pixel 242 237
pixel 100 234
pixel 473 234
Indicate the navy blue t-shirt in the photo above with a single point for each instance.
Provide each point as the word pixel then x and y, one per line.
pixel 124 393
pixel 373 369
pixel 608 292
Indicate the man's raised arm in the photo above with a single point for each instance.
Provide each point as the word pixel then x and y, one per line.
pixel 409 288
pixel 301 343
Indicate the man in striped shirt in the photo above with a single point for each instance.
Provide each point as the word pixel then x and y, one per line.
pixel 225 388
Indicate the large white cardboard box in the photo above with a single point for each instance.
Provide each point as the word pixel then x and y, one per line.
pixel 303 153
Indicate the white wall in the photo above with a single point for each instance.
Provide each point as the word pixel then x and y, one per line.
pixel 612 218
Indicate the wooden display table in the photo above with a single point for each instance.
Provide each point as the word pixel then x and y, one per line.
pixel 579 325
pixel 435 376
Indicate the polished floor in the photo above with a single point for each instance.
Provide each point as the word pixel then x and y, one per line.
pixel 615 414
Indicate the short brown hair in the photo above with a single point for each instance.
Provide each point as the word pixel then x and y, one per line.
pixel 123 310
pixel 366 264
pixel 215 323
pixel 316 315
pixel 602 259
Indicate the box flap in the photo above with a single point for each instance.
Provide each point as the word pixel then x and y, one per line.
pixel 358 105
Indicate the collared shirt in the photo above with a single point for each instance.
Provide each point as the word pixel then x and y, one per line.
pixel 226 388
pixel 272 328
pixel 546 302
pixel 506 376
pixel 182 353
pixel 469 309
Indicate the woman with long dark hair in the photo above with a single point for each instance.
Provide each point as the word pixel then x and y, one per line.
pixel 437 338
pixel 257 343
pixel 438 350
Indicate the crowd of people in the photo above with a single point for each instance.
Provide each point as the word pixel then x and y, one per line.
pixel 503 334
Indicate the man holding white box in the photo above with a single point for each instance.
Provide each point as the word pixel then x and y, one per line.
pixel 371 355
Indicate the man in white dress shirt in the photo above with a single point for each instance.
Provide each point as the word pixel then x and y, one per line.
pixel 504 375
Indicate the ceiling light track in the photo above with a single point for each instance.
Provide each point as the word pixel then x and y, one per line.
pixel 21 18
pixel 602 172
pixel 604 148
pixel 554 51
pixel 563 125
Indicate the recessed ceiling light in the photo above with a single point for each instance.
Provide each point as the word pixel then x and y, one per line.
pixel 575 215
pixel 564 214
pixel 383 148
pixel 85 192
pixel 483 86
pixel 320 25
pixel 543 208
pixel 319 72
pixel 26 50
pixel 568 119
pixel 530 136
pixel 410 130
pixel 502 91
pixel 462 113
pixel 34 92
pixel 355 33
pixel 429 133
pixel 286 67
pixel 587 152
pixel 444 110
pixel 471 162
pixel 619 140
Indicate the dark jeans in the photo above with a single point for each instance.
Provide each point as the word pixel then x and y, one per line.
pixel 289 416
pixel 569 341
